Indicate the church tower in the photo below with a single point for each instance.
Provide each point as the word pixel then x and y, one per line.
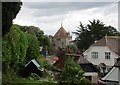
pixel 61 38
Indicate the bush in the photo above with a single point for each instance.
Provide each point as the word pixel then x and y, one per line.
pixel 72 72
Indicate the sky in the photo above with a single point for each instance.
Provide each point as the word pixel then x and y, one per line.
pixel 49 15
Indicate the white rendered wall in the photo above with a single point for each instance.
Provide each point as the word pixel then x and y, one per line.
pixel 101 55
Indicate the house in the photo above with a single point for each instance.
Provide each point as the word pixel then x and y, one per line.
pixel 61 38
pixel 104 52
pixel 91 71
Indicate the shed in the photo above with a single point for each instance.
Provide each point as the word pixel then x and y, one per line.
pixel 31 67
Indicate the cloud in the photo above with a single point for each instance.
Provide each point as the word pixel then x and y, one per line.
pixel 48 15
pixel 57 8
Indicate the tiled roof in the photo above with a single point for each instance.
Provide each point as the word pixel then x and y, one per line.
pixel 61 33
pixel 113 42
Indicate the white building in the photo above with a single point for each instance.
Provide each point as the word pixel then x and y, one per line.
pixel 104 52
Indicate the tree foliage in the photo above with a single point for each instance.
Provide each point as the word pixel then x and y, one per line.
pixel 87 34
pixel 33 48
pixel 9 12
pixel 72 72
pixel 17 48
pixel 14 47
pixel 43 39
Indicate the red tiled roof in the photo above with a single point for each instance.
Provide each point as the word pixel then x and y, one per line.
pixel 113 42
pixel 61 33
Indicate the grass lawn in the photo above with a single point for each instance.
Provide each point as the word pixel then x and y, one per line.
pixel 30 82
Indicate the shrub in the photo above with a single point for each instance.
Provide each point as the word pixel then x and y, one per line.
pixel 71 72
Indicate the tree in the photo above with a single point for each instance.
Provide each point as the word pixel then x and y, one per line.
pixel 17 48
pixel 33 48
pixel 43 39
pixel 71 48
pixel 72 72
pixel 9 12
pixel 88 34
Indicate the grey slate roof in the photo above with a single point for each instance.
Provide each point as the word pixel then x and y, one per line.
pixel 113 42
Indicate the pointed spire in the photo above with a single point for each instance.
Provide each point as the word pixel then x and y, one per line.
pixel 61 24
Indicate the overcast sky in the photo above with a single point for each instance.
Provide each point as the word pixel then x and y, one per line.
pixel 49 15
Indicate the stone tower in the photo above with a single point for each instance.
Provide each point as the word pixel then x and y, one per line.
pixel 61 38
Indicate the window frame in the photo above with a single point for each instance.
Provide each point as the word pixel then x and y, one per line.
pixel 107 55
pixel 94 55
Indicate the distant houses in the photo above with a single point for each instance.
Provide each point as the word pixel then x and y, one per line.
pixel 104 52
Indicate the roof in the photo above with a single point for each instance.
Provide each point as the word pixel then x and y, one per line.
pixel 33 61
pixel 89 67
pixel 83 60
pixel 86 65
pixel 61 33
pixel 112 75
pixel 111 41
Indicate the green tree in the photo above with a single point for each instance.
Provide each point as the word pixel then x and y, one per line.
pixel 71 48
pixel 43 39
pixel 72 72
pixel 33 48
pixel 87 34
pixel 17 48
pixel 9 12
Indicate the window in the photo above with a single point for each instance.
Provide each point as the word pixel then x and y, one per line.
pixel 108 68
pixel 107 55
pixel 58 39
pixel 94 55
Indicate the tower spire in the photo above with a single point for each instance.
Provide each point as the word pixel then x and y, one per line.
pixel 61 23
